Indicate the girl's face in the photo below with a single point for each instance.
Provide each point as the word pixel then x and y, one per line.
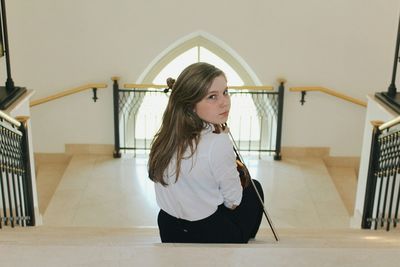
pixel 214 107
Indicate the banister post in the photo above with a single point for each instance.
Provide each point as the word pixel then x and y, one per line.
pixel 27 183
pixel 117 153
pixel 371 178
pixel 281 92
pixel 8 93
pixel 392 90
pixel 392 97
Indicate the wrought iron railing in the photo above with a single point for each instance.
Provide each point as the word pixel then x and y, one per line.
pixel 382 197
pixel 16 197
pixel 255 118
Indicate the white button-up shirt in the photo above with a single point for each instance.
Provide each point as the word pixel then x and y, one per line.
pixel 206 180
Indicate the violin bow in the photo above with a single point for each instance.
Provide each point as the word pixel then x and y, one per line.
pixel 271 225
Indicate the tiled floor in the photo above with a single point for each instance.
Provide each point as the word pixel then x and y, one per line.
pixel 97 190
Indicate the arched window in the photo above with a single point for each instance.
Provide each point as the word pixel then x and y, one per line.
pixel 150 107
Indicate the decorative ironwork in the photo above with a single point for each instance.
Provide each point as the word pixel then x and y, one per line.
pixel 16 202
pixel 259 133
pixel 382 198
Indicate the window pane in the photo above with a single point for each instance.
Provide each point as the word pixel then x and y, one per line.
pixel 231 75
pixel 243 119
pixel 149 118
pixel 175 67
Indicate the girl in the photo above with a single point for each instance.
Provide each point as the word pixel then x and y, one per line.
pixel 193 165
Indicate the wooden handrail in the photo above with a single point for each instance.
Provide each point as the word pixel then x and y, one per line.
pixel 67 92
pixel 390 123
pixel 162 86
pixel 330 92
pixel 9 119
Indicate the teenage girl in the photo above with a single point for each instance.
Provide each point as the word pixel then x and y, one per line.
pixel 193 165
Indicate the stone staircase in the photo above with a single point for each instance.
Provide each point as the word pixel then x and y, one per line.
pixel 55 244
pixel 345 180
pixel 49 169
pixel 93 246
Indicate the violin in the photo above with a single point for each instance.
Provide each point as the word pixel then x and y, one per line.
pixel 246 180
pixel 243 171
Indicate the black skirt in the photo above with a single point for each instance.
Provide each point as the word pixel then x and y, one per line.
pixel 223 226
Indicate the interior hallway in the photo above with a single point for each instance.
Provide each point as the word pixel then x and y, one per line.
pixel 100 191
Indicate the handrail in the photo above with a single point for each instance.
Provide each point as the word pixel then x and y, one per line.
pixel 9 119
pixel 161 86
pixel 68 92
pixel 330 92
pixel 389 123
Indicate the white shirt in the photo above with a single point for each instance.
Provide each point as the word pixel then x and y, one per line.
pixel 206 180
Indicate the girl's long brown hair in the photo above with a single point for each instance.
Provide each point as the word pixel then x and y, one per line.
pixel 181 127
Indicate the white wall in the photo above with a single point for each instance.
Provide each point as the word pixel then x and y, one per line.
pixel 346 45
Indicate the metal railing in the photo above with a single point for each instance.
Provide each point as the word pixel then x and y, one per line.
pixel 382 197
pixel 255 117
pixel 16 196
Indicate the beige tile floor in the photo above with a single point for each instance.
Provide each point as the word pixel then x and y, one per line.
pixel 100 191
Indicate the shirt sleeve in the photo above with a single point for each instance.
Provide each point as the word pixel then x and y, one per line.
pixel 223 165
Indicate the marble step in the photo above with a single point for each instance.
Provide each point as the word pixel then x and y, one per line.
pixel 294 238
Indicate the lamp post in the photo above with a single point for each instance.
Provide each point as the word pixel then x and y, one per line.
pixel 8 93
pixel 391 97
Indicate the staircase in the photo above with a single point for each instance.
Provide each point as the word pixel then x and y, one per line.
pixel 345 180
pixel 50 169
pixel 103 213
pixel 80 246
